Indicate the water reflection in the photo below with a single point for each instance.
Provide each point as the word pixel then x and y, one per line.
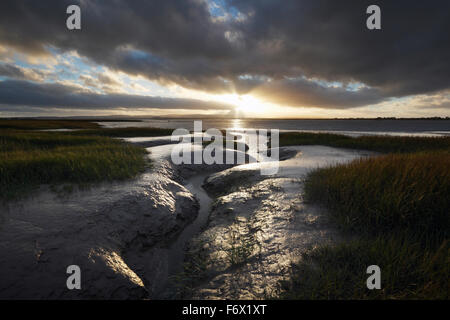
pixel 236 124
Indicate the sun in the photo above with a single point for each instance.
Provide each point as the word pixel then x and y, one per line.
pixel 246 104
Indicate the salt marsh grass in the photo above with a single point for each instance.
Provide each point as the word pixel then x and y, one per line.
pixel 396 209
pixel 391 144
pixel 31 158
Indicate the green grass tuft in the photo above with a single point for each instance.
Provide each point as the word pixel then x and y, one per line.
pixel 28 159
pixel 398 207
pixel 408 271
pixel 386 194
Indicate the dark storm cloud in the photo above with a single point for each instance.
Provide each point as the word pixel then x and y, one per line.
pixel 26 93
pixel 178 41
pixel 12 71
pixel 328 39
pixel 308 93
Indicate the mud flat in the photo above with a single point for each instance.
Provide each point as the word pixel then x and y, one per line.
pixel 190 231
pixel 258 226
pixel 114 232
pixel 124 236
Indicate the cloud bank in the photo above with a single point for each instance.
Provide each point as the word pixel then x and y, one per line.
pixel 52 95
pixel 269 49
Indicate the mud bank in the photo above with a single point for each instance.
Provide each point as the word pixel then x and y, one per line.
pixel 124 236
pixel 258 226
pixel 112 231
pixel 130 238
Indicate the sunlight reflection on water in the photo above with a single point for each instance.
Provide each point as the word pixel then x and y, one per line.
pixel 236 124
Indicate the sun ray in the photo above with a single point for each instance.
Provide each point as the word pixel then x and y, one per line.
pixel 245 105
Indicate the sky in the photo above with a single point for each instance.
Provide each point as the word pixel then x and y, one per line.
pixel 225 58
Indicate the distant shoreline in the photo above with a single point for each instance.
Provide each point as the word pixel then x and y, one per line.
pixel 142 118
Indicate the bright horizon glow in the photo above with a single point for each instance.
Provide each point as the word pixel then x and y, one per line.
pixel 245 104
pixel 72 70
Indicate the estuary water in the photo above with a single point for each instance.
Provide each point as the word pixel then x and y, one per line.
pixel 350 127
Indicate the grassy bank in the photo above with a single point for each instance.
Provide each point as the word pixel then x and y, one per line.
pixel 30 158
pixel 408 271
pixel 35 124
pixel 398 207
pixel 387 194
pixel 83 128
pixel 374 143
